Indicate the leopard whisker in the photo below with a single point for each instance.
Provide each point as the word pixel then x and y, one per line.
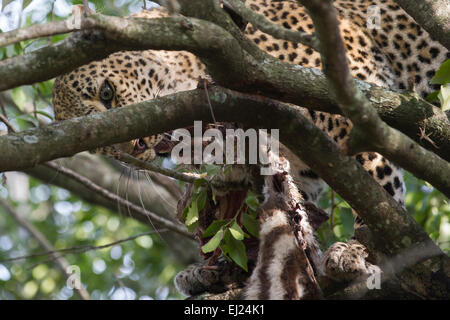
pixel 126 190
pixel 143 206
pixel 153 184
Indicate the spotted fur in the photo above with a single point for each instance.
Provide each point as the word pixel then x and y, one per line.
pixel 398 54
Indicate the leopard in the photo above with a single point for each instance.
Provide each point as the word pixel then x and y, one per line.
pixel 384 45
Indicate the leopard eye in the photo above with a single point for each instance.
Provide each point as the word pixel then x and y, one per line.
pixel 140 145
pixel 106 92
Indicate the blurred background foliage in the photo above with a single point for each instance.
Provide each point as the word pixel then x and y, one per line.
pixel 141 268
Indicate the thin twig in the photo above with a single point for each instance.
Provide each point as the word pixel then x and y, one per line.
pixel 86 7
pixel 61 262
pixel 37 31
pixel 205 86
pixel 186 177
pixel 5 120
pixel 2 106
pixel 81 249
pixel 49 39
pixel 268 27
pixel 105 193
pixel 333 206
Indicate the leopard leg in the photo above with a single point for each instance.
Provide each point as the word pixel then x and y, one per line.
pixel 347 261
pixel 196 279
pixel 199 278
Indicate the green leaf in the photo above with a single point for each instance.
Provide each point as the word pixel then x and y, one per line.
pixel 213 243
pixel 45 114
pixel 347 220
pixel 251 224
pixel 444 97
pixel 212 169
pixel 235 250
pixel 236 231
pixel 58 38
pixel 29 118
pixel 214 227
pixel 343 204
pixel 339 231
pixel 46 88
pixel 432 97
pixel 19 97
pixel 252 201
pixel 192 227
pixel 201 199
pixel 213 192
pixel 192 213
pixel 442 76
pixel 199 182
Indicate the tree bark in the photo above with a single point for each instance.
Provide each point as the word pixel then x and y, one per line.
pixel 432 15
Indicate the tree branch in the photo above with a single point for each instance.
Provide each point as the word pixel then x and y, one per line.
pixel 36 31
pixel 432 15
pixel 370 129
pixel 28 148
pixel 90 185
pixel 369 132
pixel 383 214
pixel 61 262
pixel 136 191
pixel 228 64
pixel 82 249
pixel 268 27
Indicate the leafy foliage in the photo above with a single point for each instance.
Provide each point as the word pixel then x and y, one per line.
pixel 225 235
pixel 143 267
pixel 430 208
pixel 442 77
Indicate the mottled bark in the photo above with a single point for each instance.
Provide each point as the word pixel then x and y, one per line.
pixel 236 63
pixel 371 201
pixel 432 15
pixel 233 62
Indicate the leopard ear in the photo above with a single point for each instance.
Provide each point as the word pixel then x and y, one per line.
pixel 238 20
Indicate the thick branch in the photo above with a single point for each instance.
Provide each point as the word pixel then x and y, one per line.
pixel 228 64
pixel 29 147
pixel 432 15
pixel 396 230
pixel 369 131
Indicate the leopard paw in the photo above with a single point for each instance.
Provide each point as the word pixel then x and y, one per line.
pixel 196 279
pixel 347 262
